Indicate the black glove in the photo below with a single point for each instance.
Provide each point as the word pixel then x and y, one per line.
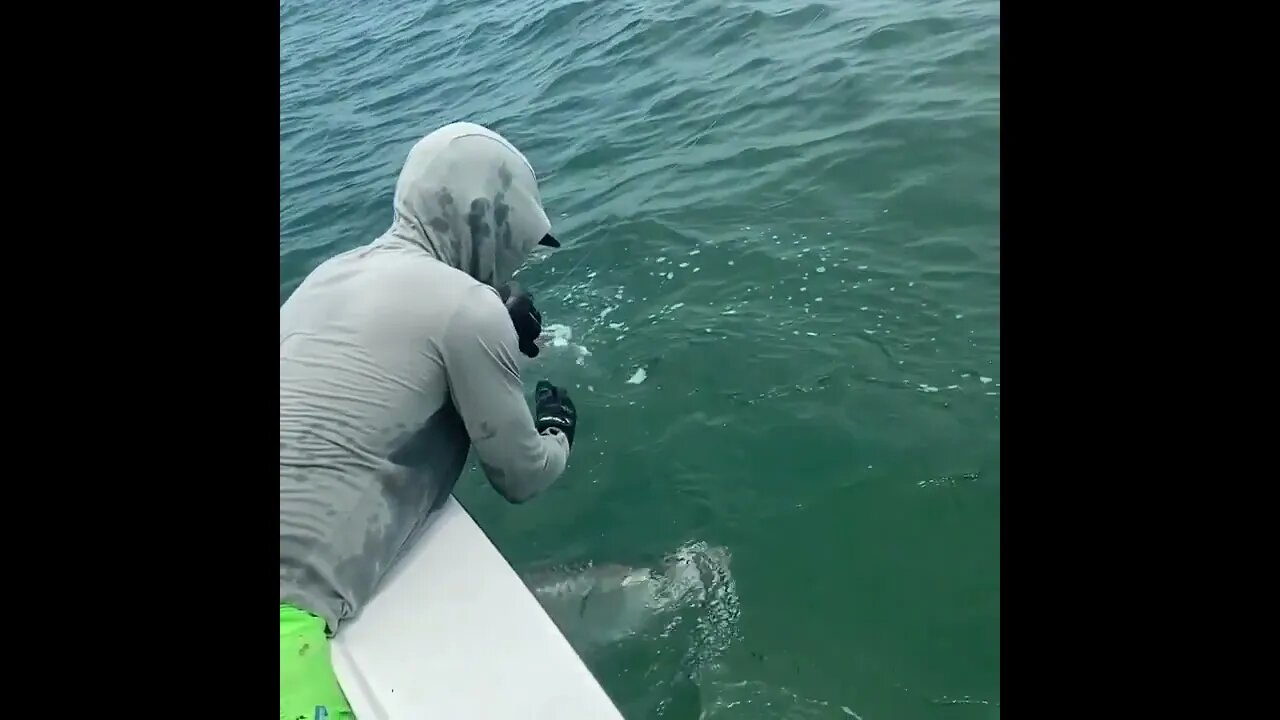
pixel 554 409
pixel 524 316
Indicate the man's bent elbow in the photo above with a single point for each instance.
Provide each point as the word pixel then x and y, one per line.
pixel 516 493
pixel 513 489
pixel 517 496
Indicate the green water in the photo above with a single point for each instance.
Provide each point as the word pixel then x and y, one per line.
pixel 787 216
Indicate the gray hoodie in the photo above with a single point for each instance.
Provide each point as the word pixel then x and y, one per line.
pixel 395 358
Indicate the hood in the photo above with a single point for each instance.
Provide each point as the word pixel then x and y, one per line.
pixel 470 199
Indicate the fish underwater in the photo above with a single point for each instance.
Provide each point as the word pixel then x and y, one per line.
pixel 601 604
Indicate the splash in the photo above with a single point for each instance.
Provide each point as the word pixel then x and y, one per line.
pixel 559 338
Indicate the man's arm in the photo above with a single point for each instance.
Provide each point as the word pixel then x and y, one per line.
pixel 479 352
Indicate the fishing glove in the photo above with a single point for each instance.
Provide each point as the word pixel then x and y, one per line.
pixel 524 316
pixel 554 409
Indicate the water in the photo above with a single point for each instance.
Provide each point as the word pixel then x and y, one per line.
pixel 777 308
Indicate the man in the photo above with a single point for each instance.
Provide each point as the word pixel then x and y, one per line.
pixel 396 358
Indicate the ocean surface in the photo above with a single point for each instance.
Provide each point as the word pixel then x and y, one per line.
pixel 777 308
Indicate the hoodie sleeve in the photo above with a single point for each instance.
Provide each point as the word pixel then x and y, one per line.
pixel 479 351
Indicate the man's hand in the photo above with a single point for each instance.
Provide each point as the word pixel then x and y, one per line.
pixel 524 316
pixel 554 409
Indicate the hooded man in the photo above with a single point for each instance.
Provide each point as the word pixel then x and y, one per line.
pixel 395 359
